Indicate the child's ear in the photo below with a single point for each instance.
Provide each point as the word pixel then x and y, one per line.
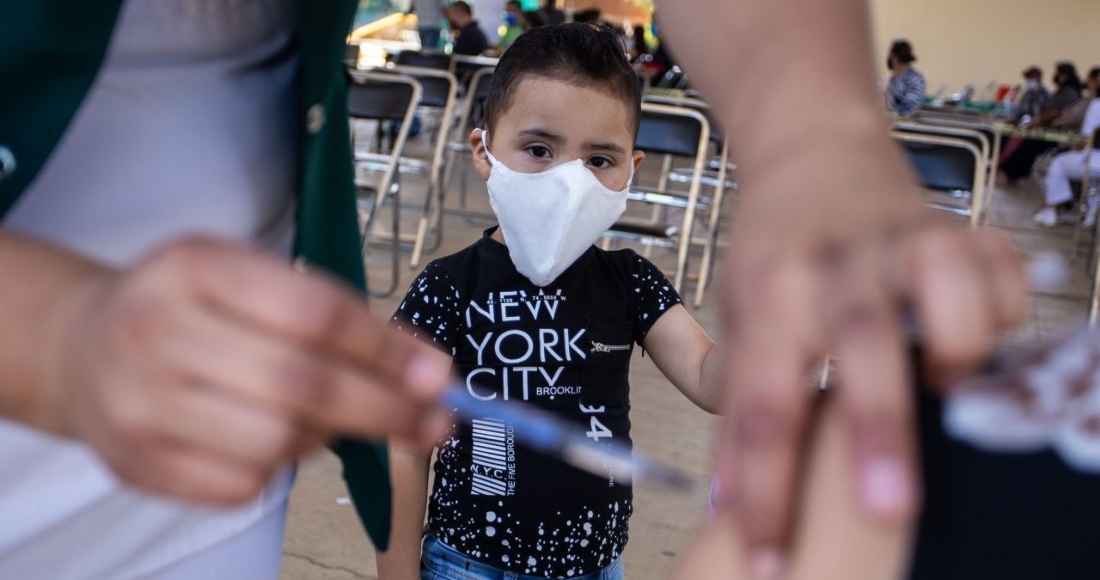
pixel 639 157
pixel 478 154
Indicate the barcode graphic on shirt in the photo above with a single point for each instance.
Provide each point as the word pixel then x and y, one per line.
pixel 490 460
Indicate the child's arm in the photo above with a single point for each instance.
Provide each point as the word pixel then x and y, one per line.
pixel 683 352
pixel 833 540
pixel 409 470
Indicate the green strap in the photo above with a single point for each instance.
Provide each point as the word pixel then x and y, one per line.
pixel 51 51
pixel 50 54
pixel 328 223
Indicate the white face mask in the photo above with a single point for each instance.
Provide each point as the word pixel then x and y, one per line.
pixel 1032 85
pixel 550 219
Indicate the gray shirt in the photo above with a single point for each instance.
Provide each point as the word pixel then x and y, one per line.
pixel 429 13
pixel 189 128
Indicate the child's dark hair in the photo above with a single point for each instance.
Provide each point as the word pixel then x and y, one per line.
pixel 582 54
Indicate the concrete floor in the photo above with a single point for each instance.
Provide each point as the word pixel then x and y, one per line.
pixel 324 540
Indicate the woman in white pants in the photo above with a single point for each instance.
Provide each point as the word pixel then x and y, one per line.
pixel 1068 166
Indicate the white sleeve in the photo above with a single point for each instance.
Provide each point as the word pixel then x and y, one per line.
pixel 1092 118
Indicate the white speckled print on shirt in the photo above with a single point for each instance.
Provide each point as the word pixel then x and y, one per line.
pixel 565 348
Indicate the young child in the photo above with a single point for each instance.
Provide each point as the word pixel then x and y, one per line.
pixel 534 312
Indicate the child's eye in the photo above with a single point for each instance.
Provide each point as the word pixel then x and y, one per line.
pixel 600 162
pixel 539 151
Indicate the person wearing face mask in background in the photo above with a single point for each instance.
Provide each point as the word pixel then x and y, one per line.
pixel 1073 118
pixel 1068 94
pixel 905 92
pixel 1022 154
pixel 1035 98
pixel 512 24
pixel 534 312
pixel 1018 155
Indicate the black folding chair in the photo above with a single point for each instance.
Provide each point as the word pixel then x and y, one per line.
pixel 383 98
pixel 718 175
pixel 351 55
pixel 465 66
pixel 469 118
pixel 944 166
pixel 992 136
pixel 675 131
pixel 434 59
pixel 440 95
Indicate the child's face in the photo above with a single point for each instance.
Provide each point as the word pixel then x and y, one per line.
pixel 552 122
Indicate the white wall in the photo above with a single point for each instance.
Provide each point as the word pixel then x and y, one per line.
pixel 959 42
pixel 487 14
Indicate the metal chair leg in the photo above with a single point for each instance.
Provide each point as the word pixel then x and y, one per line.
pixel 707 265
pixel 686 231
pixel 422 227
pixel 395 249
pixel 656 214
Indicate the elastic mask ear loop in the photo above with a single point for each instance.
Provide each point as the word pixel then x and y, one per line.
pixel 485 142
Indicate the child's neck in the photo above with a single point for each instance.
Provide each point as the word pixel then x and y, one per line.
pixel 498 235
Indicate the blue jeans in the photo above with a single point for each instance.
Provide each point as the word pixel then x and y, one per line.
pixel 429 37
pixel 440 562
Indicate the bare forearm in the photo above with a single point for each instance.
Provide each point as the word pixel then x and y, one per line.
pixel 409 469
pixel 711 381
pixel 683 352
pixel 778 71
pixel 37 280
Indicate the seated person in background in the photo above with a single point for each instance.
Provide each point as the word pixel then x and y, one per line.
pixel 661 61
pixel 1035 99
pixel 1018 155
pixel 1021 154
pixel 532 19
pixel 513 24
pixel 535 312
pixel 516 25
pixel 1072 118
pixel 905 92
pixel 470 39
pixel 550 13
pixel 638 47
pixel 1068 94
pixel 591 15
pixel 1069 166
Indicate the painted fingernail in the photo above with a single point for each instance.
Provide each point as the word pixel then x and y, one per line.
pixel 884 485
pixel 766 564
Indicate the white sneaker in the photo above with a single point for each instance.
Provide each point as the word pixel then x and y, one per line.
pixel 1046 217
pixel 1090 213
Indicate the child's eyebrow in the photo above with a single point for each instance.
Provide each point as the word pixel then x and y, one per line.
pixel 547 135
pixel 540 133
pixel 612 147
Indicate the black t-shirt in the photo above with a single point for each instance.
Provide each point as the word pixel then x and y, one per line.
pixel 471 40
pixel 1002 516
pixel 1011 479
pixel 564 348
pixel 553 16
